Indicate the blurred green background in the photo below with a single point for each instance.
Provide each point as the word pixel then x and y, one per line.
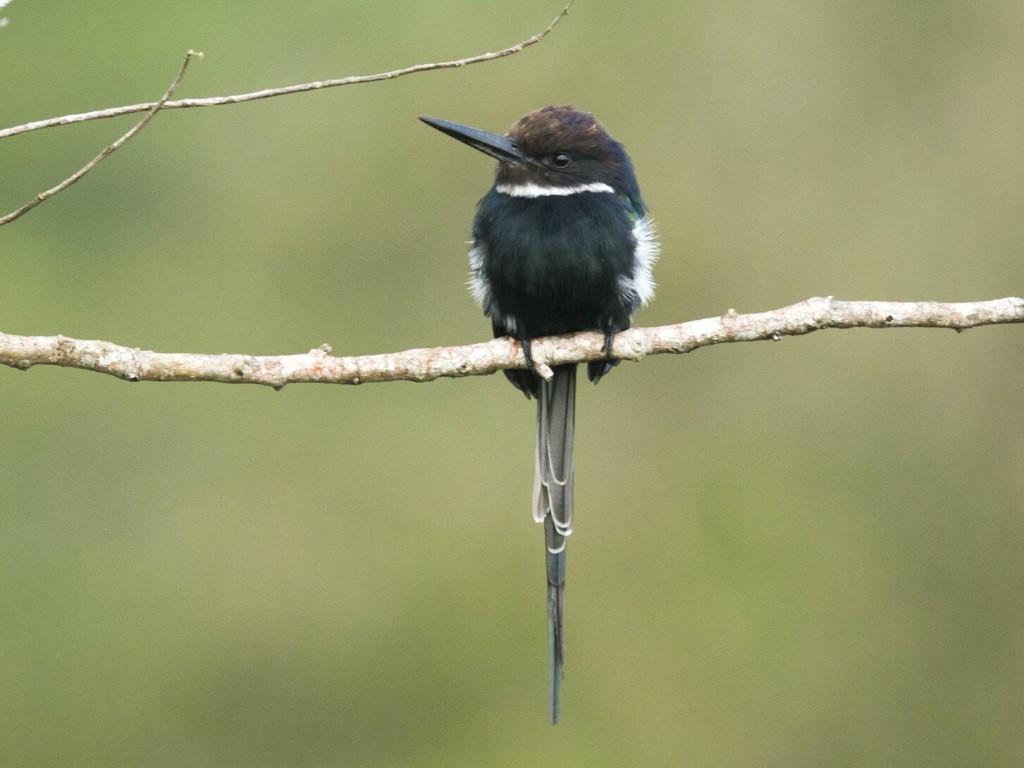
pixel 803 553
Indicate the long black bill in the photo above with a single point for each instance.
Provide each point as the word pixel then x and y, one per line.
pixel 501 148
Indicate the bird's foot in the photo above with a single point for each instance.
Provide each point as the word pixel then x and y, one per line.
pixel 531 365
pixel 598 368
pixel 537 367
pixel 609 340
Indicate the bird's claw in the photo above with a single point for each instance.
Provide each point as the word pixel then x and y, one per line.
pixel 531 365
pixel 534 366
pixel 609 340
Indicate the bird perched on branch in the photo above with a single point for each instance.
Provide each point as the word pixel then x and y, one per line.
pixel 561 243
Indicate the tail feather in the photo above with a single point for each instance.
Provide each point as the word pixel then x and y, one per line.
pixel 552 505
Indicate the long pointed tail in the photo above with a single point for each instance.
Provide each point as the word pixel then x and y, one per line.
pixel 552 505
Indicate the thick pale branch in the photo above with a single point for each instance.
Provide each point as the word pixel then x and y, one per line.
pixel 266 93
pixel 320 366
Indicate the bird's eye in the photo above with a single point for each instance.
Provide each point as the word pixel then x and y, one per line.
pixel 561 160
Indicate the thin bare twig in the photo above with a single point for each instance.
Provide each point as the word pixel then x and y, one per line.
pixel 318 365
pixel 150 114
pixel 214 101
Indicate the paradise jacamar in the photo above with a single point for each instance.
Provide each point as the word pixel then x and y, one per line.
pixel 561 243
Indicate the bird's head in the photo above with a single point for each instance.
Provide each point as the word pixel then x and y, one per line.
pixel 554 147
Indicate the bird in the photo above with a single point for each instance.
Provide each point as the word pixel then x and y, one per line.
pixel 561 243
